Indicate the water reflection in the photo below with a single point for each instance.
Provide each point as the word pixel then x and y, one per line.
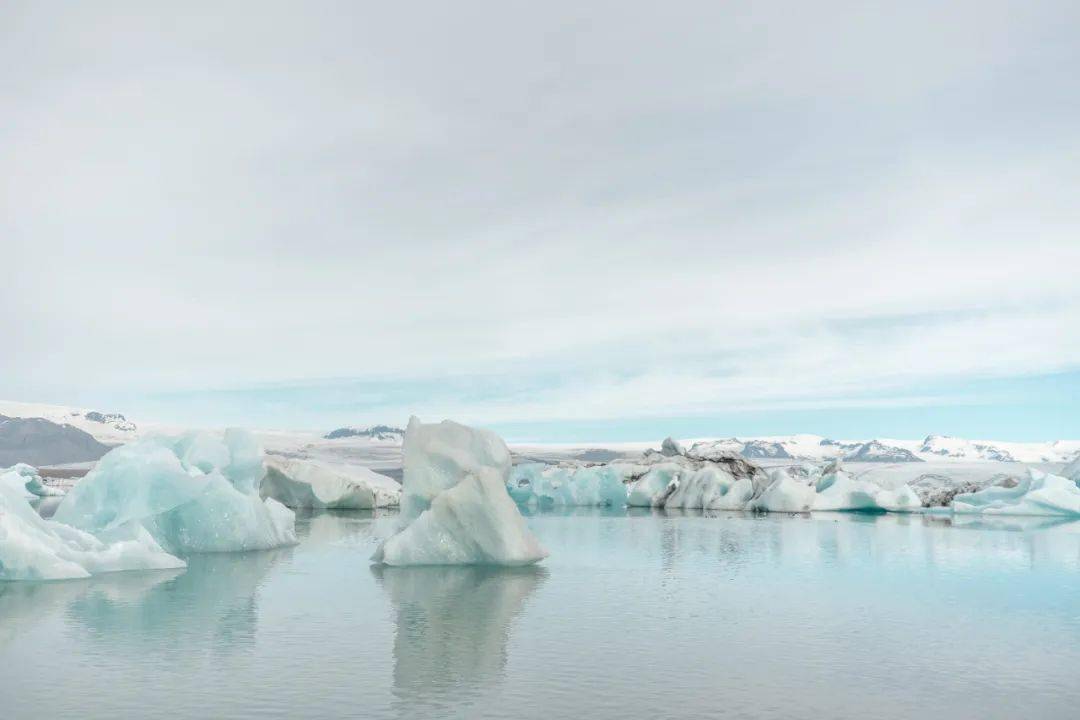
pixel 25 604
pixel 210 606
pixel 453 625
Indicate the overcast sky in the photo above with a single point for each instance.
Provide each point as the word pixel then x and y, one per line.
pixel 560 211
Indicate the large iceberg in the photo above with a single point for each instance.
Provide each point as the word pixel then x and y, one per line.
pixel 542 485
pixel 25 479
pixel 32 548
pixel 311 484
pixel 455 508
pixel 199 493
pixel 1037 494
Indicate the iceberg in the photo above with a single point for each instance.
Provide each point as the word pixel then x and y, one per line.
pixel 725 482
pixel 199 493
pixel 25 479
pixel 711 488
pixel 455 508
pixel 1072 470
pixel 671 447
pixel 1037 494
pixel 838 490
pixel 311 484
pixel 542 485
pixel 32 548
pixel 786 493
pixel 721 482
pixel 654 487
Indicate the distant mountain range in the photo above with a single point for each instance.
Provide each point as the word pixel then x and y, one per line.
pixel 932 448
pixel 374 432
pixel 111 428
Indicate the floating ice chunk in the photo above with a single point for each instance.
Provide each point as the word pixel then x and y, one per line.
pixel 1037 494
pixel 707 488
pixel 548 486
pixel 1072 470
pixel 671 447
pixel 32 548
pixel 310 484
pixel 455 503
pixel 654 487
pixel 26 479
pixel 785 494
pixel 838 490
pixel 195 494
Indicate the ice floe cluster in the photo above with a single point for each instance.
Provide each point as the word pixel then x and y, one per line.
pixel 734 484
pixel 714 478
pixel 455 509
pixel 144 504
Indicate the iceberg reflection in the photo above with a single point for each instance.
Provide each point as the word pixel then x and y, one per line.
pixel 453 625
pixel 212 606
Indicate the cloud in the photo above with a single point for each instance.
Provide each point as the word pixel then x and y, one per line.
pixel 708 205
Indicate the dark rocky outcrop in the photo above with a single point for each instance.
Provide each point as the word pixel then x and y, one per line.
pixel 38 442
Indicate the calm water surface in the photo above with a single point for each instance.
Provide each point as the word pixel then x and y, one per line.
pixel 633 615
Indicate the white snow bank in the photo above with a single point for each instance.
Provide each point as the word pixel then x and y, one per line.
pixel 542 485
pixel 26 480
pixel 455 505
pixel 32 548
pixel 1037 494
pixel 199 493
pixel 312 484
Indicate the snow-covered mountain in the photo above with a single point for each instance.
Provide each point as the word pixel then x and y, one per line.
pixel 875 451
pixel 933 448
pixel 381 444
pixel 372 432
pixel 764 449
pixel 109 428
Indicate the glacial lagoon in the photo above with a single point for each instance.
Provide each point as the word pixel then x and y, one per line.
pixel 635 613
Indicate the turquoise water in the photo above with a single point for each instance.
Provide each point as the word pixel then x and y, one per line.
pixel 633 615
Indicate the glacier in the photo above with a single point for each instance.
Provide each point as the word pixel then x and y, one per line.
pixel 300 483
pixel 27 480
pixel 197 493
pixel 455 508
